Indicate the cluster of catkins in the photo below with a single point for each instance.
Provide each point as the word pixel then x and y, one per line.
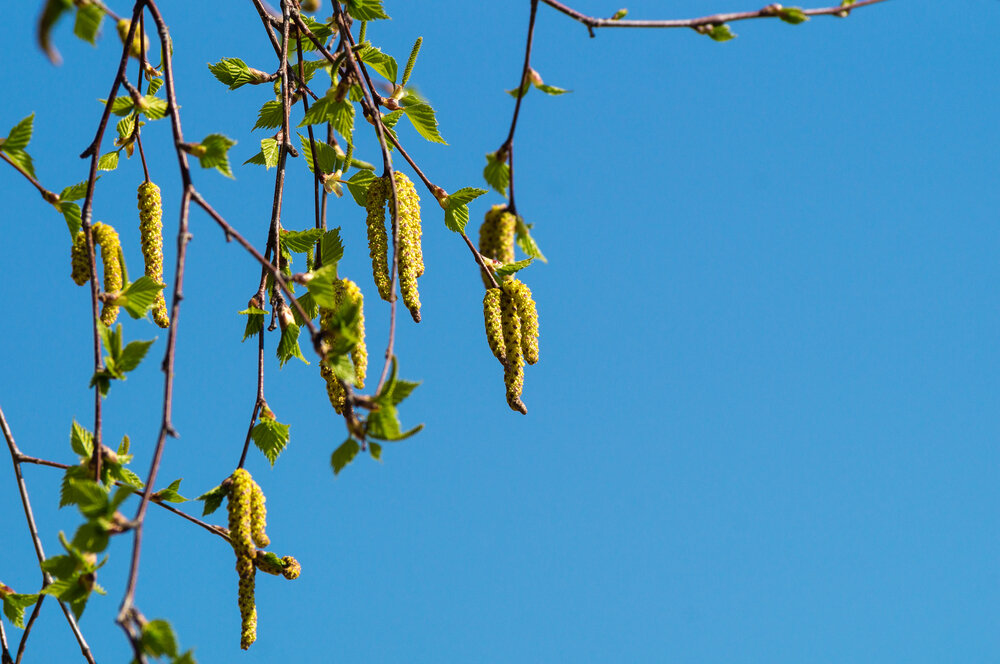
pixel 106 237
pixel 509 311
pixel 247 521
pixel 411 257
pixel 343 290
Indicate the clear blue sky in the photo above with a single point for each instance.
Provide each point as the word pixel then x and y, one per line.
pixel 764 425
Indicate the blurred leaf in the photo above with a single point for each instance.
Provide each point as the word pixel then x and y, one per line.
pixel 51 13
pixel 793 15
pixel 366 10
pixel 158 639
pixel 88 22
pixel 344 454
pixel 526 242
pixel 497 173
pixel 720 33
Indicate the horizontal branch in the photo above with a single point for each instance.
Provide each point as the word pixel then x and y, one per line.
pixel 770 11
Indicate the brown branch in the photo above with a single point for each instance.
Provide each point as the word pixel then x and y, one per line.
pixel 49 196
pixel 22 489
pixel 716 19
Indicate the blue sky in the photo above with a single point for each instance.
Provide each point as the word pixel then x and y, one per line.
pixel 764 423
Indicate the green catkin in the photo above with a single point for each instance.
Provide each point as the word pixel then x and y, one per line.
pixel 151 232
pixel 496 238
pixel 334 390
pixel 411 259
pixel 107 238
pixel 258 517
pixel 513 374
pixel 378 242
pixel 494 329
pixel 241 536
pixel 528 314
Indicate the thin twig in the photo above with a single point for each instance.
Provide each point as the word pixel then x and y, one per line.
pixel 715 19
pixel 22 489
pixel 49 196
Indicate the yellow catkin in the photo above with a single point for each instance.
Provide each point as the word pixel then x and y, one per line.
pixel 241 536
pixel 494 329
pixel 292 568
pixel 378 243
pixel 258 517
pixel 334 390
pixel 107 239
pixel 151 232
pixel 496 237
pixel 513 374
pixel 528 313
pixel 411 259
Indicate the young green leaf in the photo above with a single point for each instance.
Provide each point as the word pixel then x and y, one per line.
pixel 88 22
pixel 216 153
pixel 511 268
pixel 331 247
pixel 74 192
pixel 383 424
pixel 270 116
pixel 288 347
pixel 344 455
pixel 81 440
pixel 270 437
pixel 235 73
pixel 158 639
pixel 497 173
pixel 108 161
pixel 719 32
pixel 14 605
pixel 421 115
pixel 255 322
pixel 132 355
pixel 381 62
pixel 154 108
pixel 326 156
pixel 456 215
pixel 358 186
pixel 71 213
pixel 366 10
pixel 213 498
pixel 19 135
pixel 301 241
pixel 139 297
pixel 526 242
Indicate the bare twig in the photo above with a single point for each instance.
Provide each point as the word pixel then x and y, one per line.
pixel 49 196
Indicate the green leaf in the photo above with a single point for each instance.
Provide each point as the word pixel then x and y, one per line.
pixel 270 116
pixel 288 347
pixel 132 355
pixel 120 106
pixel 375 450
pixel 14 605
pixel 326 155
pixel 720 32
pixel 81 440
pixel 74 192
pixel 383 424
pixel 424 121
pixel 123 447
pixel 464 196
pixel 525 88
pixel 158 639
pixel 139 297
pixel 792 15
pixel 71 213
pixel 331 247
pixel 255 323
pixel 456 218
pixel 511 268
pixel 358 186
pixel 620 14
pixel 108 161
pixel 381 62
pixel 233 72
pixel 154 85
pixel 216 155
pixel 154 108
pixel 366 10
pixel 340 115
pixel 89 496
pixel 22 159
pixel 526 242
pixel 320 286
pixel 88 22
pixel 270 437
pixel 301 242
pixel 19 136
pixel 127 477
pixel 551 89
pixel 456 215
pixel 213 498
pixel 402 389
pixel 497 173
pixel 344 454
pixel 321 31
pixel 91 536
